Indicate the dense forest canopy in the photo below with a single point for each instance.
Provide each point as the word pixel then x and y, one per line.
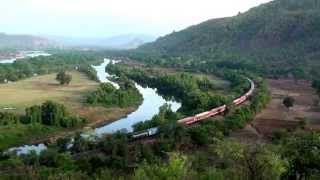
pixel 107 95
pixel 280 38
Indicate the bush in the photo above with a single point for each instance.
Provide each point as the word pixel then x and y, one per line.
pixel 63 78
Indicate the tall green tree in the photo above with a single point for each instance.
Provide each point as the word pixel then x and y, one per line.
pixel 52 113
pixel 251 162
pixel 303 153
pixel 63 78
pixel 176 169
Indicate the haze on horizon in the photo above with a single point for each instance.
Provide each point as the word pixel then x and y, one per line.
pixel 103 18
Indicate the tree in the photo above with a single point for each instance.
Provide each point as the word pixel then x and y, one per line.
pixel 251 162
pixel 52 113
pixel 33 114
pixel 303 154
pixel 298 73
pixel 288 102
pixel 176 168
pixel 63 78
pixel 316 85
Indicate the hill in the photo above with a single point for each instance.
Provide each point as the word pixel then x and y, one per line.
pixel 277 38
pixel 127 41
pixel 24 42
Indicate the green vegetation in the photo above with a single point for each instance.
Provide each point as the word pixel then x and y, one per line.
pixel 37 121
pixel 50 114
pixel 38 89
pixel 302 153
pixel 89 71
pixel 316 85
pixel 107 95
pixel 277 39
pixel 18 133
pixel 224 160
pixel 196 95
pixel 67 60
pixel 198 152
pixel 164 117
pixel 273 40
pixel 63 78
pixel 47 119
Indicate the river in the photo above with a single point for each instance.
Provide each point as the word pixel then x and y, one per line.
pixel 25 54
pixel 152 101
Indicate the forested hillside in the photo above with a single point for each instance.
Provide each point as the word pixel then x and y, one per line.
pixel 278 38
pixel 24 42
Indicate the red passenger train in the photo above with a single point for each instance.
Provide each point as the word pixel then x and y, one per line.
pixel 202 116
pixel 218 110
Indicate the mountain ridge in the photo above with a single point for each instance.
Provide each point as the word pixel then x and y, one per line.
pixel 124 41
pixel 279 33
pixel 22 41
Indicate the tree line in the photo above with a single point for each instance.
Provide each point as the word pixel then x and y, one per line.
pixel 107 95
pixel 65 60
pixel 186 88
pixel 49 113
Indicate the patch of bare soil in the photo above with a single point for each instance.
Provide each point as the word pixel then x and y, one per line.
pixel 277 117
pixel 248 135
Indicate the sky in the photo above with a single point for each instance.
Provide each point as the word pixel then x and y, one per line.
pixel 104 18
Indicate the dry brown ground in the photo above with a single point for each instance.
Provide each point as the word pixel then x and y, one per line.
pixel 276 116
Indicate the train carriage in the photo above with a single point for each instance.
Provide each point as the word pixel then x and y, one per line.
pixel 204 115
pixel 200 116
pixel 240 100
pixel 186 120
pixel 218 110
pixel 140 134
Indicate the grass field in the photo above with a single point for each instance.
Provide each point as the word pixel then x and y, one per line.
pixel 20 134
pixel 38 89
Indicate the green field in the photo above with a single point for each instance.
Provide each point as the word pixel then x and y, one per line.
pixel 20 134
pixel 36 90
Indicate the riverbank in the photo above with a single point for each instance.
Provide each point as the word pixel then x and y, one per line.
pixel 63 133
pixel 149 107
pixel 15 97
pixel 12 57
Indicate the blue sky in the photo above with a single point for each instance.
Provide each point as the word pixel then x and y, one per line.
pixel 102 18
